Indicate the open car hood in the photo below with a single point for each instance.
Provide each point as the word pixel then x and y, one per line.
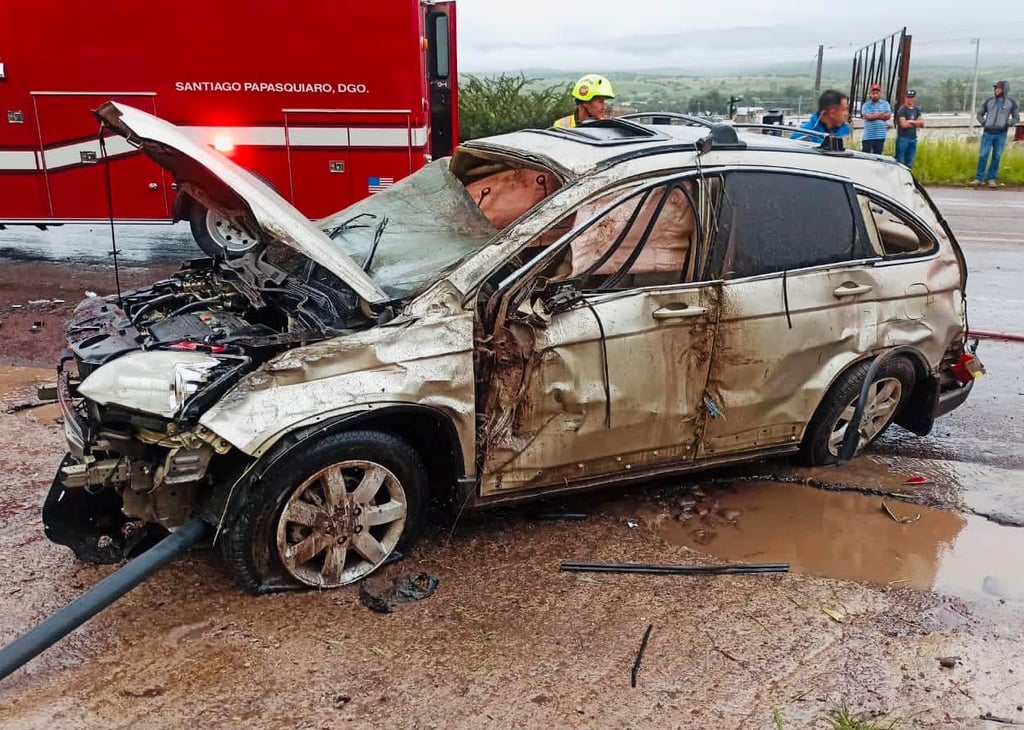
pixel 221 185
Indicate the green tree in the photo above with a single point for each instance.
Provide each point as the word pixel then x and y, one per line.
pixel 952 93
pixel 504 103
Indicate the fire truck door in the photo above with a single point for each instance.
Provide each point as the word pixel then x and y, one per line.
pixel 438 23
pixel 75 175
pixel 319 161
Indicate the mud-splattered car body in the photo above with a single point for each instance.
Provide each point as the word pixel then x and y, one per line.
pixel 544 311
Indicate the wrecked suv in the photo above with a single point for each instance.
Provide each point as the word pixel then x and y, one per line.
pixel 545 311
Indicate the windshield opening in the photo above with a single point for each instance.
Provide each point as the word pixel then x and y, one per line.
pixel 415 232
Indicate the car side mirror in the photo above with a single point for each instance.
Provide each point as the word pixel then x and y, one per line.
pixel 562 295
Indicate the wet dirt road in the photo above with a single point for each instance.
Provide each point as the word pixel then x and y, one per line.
pixel 509 641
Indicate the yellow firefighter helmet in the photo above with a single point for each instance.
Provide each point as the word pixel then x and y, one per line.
pixel 592 86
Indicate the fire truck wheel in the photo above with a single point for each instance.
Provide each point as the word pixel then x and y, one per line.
pixel 216 235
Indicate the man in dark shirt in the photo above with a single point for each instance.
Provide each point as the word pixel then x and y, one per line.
pixel 908 121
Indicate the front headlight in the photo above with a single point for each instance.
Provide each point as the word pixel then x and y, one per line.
pixel 157 382
pixel 187 379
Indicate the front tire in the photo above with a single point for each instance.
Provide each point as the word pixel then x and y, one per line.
pixel 330 515
pixel 892 385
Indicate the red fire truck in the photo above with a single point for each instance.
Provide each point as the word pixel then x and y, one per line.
pixel 327 100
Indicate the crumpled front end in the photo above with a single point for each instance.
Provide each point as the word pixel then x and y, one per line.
pixel 128 476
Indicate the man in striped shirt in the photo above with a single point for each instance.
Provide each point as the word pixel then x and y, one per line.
pixel 876 113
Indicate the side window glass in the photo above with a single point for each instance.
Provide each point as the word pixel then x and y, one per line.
pixel 774 222
pixel 890 232
pixel 645 240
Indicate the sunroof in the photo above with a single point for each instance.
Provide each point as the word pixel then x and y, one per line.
pixel 609 132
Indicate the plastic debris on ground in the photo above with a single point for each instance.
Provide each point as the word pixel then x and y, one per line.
pixel 386 596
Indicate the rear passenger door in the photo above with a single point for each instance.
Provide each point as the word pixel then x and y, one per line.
pixel 918 290
pixel 798 304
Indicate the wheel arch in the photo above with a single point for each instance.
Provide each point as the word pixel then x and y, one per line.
pixel 429 431
pixel 922 371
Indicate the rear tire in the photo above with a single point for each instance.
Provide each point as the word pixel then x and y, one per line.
pixel 892 385
pixel 329 514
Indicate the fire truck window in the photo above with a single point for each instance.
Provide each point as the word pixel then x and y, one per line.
pixel 441 49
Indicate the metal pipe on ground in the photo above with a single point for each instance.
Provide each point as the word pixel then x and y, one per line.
pixel 851 438
pixel 984 335
pixel 70 617
pixel 646 569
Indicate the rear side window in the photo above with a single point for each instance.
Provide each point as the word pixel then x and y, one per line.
pixel 771 222
pixel 891 232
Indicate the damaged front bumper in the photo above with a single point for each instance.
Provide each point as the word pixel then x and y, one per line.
pixel 119 490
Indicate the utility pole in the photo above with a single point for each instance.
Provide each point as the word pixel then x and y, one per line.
pixel 974 93
pixel 817 75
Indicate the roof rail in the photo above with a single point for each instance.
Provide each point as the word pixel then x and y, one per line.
pixel 668 118
pixel 785 130
pixel 722 137
pixel 832 143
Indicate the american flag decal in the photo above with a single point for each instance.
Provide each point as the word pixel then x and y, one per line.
pixel 377 184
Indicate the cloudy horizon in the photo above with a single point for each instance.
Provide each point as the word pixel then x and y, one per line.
pixel 657 34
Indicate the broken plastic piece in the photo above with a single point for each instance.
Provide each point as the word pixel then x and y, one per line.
pixel 901 520
pixel 919 480
pixel 383 596
pixel 713 410
pixel 834 615
pixel 992 718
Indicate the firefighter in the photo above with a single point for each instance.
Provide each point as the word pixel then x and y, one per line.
pixel 591 94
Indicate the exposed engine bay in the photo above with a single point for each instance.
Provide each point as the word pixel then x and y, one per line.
pixel 254 305
pixel 133 469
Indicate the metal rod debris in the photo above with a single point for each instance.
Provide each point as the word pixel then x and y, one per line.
pixel 642 568
pixel 640 655
pixel 573 516
pixel 94 600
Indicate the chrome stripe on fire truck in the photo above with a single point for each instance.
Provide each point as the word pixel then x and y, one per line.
pixel 358 137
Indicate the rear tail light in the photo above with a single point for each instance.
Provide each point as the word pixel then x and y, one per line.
pixel 968 368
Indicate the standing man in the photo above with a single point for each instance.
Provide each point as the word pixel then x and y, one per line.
pixel 908 121
pixel 591 94
pixel 996 116
pixel 833 110
pixel 876 113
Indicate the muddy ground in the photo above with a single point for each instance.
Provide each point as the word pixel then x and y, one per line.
pixel 509 641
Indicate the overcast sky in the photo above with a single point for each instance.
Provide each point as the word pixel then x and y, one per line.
pixel 599 35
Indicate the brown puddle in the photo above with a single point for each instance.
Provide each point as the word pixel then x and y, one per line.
pixel 847 535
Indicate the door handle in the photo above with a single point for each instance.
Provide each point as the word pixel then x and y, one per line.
pixel 679 312
pixel 852 290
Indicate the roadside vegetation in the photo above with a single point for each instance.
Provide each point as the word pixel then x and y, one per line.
pixel 840 718
pixel 953 162
pixel 504 103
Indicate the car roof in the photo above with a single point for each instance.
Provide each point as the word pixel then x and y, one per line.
pixel 598 145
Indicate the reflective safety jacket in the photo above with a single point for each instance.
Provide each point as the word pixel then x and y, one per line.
pixel 568 122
